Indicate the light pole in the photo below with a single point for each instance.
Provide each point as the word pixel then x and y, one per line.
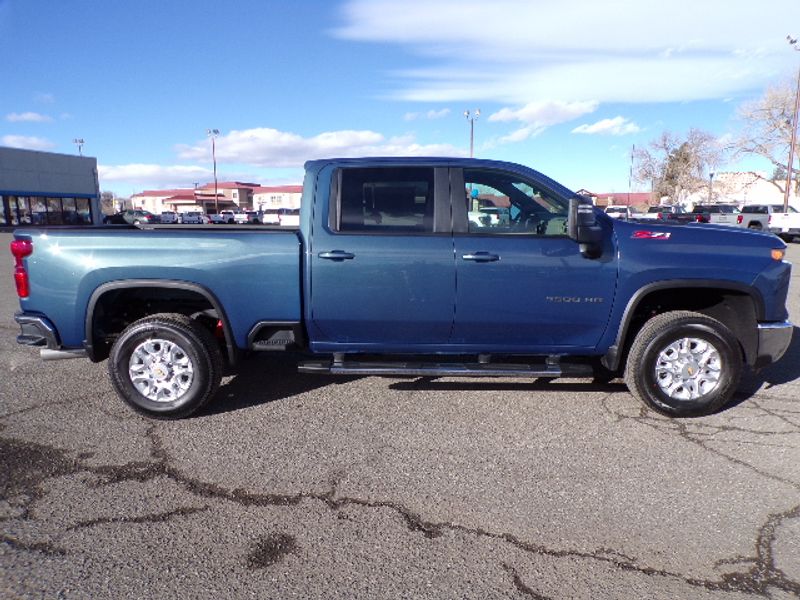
pixel 789 167
pixel 213 133
pixel 710 186
pixel 471 116
pixel 79 143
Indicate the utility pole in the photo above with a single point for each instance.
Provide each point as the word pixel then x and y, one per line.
pixel 790 166
pixel 471 116
pixel 213 133
pixel 710 186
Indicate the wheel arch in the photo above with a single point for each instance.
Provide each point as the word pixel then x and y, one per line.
pixel 167 295
pixel 736 305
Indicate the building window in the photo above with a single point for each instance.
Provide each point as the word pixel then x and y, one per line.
pixel 23 210
pixel 54 214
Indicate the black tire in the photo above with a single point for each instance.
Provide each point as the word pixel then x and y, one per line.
pixel 188 343
pixel 755 225
pixel 710 383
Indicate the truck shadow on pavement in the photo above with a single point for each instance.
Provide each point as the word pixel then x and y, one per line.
pixel 786 370
pixel 268 378
pixel 265 378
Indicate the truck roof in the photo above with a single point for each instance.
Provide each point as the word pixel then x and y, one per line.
pixel 436 161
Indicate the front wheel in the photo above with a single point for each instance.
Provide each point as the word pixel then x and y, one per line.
pixel 684 364
pixel 166 365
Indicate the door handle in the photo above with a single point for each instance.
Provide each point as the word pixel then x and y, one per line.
pixel 481 257
pixel 336 255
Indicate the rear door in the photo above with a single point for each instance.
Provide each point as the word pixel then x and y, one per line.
pixel 522 284
pixel 382 267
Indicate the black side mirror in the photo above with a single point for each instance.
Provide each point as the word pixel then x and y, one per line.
pixel 582 227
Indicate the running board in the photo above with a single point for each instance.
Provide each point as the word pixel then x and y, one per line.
pixel 430 369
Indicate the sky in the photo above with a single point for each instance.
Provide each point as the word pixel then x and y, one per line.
pixel 567 87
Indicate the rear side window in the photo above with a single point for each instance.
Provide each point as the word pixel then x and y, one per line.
pixel 390 200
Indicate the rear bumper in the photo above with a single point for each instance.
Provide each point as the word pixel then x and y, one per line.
pixel 38 331
pixel 773 341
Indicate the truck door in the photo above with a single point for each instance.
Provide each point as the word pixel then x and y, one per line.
pixel 382 266
pixel 522 284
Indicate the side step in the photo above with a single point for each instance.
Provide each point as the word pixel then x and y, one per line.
pixel 551 368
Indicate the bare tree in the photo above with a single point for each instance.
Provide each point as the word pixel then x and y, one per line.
pixel 677 166
pixel 767 131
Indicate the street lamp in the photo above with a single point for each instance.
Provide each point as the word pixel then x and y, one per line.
pixel 792 42
pixel 79 142
pixel 471 116
pixel 213 133
pixel 710 186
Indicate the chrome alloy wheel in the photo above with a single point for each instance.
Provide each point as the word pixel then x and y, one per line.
pixel 160 370
pixel 688 369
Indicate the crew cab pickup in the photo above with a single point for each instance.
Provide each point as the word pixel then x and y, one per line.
pixel 387 275
pixel 771 217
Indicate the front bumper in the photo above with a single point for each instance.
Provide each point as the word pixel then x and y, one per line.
pixel 773 341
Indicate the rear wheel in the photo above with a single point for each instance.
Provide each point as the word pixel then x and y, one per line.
pixel 166 365
pixel 684 364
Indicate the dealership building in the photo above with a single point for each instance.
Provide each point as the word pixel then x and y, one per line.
pixel 45 188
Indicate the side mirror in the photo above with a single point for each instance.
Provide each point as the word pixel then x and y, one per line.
pixel 582 227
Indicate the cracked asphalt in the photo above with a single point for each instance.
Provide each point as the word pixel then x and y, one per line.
pixel 299 486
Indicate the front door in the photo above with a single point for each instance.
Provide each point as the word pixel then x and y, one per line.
pixel 522 284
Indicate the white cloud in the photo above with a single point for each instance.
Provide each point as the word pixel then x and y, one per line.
pixel 267 147
pixel 538 116
pixel 28 117
pixel 517 51
pixel 27 142
pixel 615 126
pixel 431 115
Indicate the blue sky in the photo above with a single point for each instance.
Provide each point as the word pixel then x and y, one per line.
pixel 565 87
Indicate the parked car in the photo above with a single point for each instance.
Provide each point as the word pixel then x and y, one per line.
pixel 652 213
pixel 169 217
pixel 720 214
pixel 289 217
pixel 673 213
pixel 618 211
pixel 772 218
pixel 254 216
pixel 131 217
pixel 270 216
pixel 229 216
pixel 195 218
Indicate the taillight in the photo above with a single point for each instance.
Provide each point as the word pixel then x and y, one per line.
pixel 20 249
pixel 769 219
pixel 739 219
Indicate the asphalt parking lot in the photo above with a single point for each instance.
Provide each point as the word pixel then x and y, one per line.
pixel 298 486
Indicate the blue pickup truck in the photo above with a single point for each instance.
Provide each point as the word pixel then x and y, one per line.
pixel 390 273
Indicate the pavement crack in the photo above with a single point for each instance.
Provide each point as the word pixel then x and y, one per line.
pixel 39 547
pixel 151 518
pixel 522 588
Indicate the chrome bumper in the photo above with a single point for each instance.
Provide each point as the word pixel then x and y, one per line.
pixel 773 341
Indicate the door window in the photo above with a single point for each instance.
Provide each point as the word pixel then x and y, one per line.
pixel 504 203
pixel 389 200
